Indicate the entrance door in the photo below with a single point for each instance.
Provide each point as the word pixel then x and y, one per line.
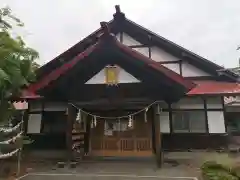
pixel 115 138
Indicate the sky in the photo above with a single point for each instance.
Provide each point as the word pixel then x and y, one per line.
pixel 209 28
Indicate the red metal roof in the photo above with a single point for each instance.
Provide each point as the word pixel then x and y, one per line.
pixel 215 88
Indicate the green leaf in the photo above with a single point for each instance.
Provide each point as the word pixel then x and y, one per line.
pixel 17 66
pixel 3 75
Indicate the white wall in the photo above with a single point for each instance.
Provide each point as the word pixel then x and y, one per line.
pixel 189 103
pixel 216 122
pixel 189 70
pixel 197 103
pixel 142 50
pixel 34 123
pixel 164 122
pixel 164 118
pixel 174 67
pixel 129 41
pixel 124 77
pixel 118 36
pixel 159 55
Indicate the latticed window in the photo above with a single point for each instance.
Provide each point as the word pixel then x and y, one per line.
pixel 111 75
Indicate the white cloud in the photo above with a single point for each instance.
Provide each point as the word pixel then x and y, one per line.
pixel 209 28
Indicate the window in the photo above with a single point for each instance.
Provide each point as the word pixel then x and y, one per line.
pixel 34 123
pixel 189 122
pixel 112 125
pixel 116 126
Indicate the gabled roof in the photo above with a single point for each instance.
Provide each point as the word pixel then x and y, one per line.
pixel 121 24
pixel 105 44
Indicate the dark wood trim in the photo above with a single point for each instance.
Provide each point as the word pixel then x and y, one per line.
pixel 69 127
pixel 153 130
pixel 121 37
pixel 235 133
pixel 170 117
pixel 197 133
pixel 203 78
pixel 212 95
pixel 180 67
pixel 166 110
pixel 39 101
pixel 25 120
pixel 149 47
pixel 170 62
pixel 43 107
pixel 132 108
pixel 139 46
pixel 206 115
pixel 35 112
pixel 190 141
pixel 45 142
pixel 192 133
pixel 87 136
pixel 158 144
pixel 149 52
pixel 224 113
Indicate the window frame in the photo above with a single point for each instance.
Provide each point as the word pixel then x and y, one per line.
pixel 189 129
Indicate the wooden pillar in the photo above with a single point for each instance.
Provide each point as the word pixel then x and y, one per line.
pixel 224 114
pixel 205 113
pixel 70 119
pixel 158 144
